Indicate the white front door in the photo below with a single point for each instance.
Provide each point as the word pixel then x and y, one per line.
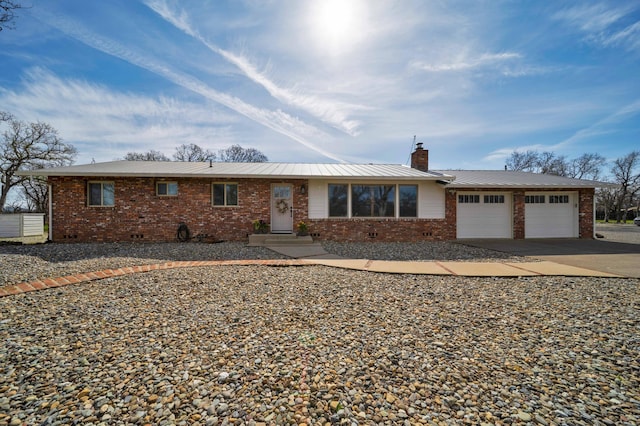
pixel 281 208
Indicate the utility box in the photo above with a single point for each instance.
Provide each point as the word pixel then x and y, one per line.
pixel 15 225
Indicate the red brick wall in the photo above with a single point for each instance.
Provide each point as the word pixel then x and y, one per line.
pixel 378 229
pixel 140 215
pixel 518 214
pixel 585 209
pixel 585 215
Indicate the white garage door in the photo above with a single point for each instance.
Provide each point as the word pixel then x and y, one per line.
pixel 550 215
pixel 484 215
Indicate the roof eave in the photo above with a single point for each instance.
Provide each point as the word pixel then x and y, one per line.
pixel 44 173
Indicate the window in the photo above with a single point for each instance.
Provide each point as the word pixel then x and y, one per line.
pixel 101 194
pixel 408 200
pixel 225 194
pixel 167 189
pixel 494 199
pixel 534 199
pixel 283 191
pixel 373 200
pixel 558 199
pixel 338 194
pixel 469 199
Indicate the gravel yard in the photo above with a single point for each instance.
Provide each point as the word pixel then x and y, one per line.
pixel 20 263
pixel 315 345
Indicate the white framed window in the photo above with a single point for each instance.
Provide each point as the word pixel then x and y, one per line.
pixel 408 200
pixel 167 189
pixel 494 199
pixel 469 198
pixel 338 200
pixel 558 199
pixel 224 194
pixel 534 199
pixel 100 194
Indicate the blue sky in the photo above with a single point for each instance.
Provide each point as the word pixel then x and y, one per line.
pixel 330 80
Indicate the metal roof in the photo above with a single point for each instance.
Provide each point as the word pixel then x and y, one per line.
pixel 175 169
pixel 514 179
pixel 453 178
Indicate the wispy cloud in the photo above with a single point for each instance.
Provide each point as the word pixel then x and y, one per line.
pixel 464 63
pixel 599 127
pixel 331 112
pixel 604 25
pixel 277 120
pixel 112 123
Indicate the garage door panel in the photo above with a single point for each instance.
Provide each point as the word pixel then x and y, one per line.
pixel 484 220
pixel 550 220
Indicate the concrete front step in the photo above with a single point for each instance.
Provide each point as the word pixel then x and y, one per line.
pixel 262 240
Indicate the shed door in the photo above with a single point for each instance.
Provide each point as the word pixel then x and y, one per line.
pixel 484 215
pixel 550 215
pixel 281 208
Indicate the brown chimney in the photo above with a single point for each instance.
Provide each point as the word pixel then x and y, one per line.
pixel 420 158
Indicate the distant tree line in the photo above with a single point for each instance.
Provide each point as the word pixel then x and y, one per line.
pixel 616 203
pixel 193 152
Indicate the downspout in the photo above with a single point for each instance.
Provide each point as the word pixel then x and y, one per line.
pixel 49 189
pixel 594 215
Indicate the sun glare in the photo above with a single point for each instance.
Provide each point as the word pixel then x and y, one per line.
pixel 337 25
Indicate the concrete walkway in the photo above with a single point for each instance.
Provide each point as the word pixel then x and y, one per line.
pixel 314 254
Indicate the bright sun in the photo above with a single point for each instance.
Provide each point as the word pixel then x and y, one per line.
pixel 337 25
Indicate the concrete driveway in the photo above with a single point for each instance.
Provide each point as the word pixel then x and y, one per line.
pixel 600 255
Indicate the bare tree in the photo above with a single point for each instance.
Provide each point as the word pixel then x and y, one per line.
pixel 625 173
pixel 606 198
pixel 28 146
pixel 238 154
pixel 551 164
pixel 151 155
pixel 587 166
pixel 36 194
pixel 193 152
pixel 526 161
pixel 7 13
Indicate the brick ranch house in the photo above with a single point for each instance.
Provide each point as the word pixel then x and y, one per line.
pixel 147 201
